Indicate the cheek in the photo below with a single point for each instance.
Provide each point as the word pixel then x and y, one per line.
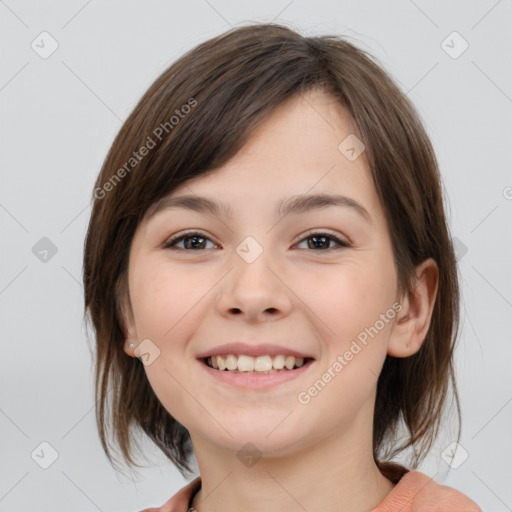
pixel 347 305
pixel 347 311
pixel 346 298
pixel 163 301
pixel 162 298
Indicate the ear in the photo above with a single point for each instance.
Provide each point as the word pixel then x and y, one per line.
pixel 131 341
pixel 127 322
pixel 412 324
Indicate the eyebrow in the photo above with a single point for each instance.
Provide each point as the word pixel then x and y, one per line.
pixel 294 205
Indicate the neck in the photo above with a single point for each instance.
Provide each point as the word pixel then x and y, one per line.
pixel 334 473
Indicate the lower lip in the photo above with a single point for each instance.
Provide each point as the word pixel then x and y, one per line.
pixel 254 381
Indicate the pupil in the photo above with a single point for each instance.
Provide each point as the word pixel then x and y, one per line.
pixel 194 243
pixel 322 243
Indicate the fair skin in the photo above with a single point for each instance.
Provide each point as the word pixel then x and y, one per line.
pixel 187 300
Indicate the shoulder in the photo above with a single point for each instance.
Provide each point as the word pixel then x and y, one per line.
pixel 417 492
pixel 180 501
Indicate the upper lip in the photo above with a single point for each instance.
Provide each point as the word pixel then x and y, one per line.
pixel 254 350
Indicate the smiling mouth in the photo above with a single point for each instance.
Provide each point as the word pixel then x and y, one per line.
pixel 231 365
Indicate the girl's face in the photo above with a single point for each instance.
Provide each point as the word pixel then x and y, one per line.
pixel 257 276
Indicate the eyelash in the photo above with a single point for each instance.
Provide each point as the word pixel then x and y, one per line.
pixel 171 243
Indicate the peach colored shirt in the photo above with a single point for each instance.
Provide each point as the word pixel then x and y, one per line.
pixel 414 492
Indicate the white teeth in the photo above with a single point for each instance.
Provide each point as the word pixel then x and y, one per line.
pixel 289 362
pixel 278 362
pixel 263 363
pixel 231 362
pixel 260 364
pixel 245 364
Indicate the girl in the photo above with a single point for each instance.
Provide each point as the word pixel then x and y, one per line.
pixel 271 280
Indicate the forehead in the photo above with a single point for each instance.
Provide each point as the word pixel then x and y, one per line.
pixel 300 147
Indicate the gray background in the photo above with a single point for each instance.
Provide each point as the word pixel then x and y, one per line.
pixel 59 117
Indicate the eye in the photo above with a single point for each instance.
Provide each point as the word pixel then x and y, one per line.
pixel 193 240
pixel 321 239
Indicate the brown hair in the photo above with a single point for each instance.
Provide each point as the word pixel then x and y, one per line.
pixel 229 84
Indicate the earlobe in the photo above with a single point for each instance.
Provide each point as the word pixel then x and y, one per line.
pixel 130 333
pixel 411 327
pixel 129 347
pixel 126 317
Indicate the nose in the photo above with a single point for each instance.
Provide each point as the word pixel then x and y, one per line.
pixel 256 290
